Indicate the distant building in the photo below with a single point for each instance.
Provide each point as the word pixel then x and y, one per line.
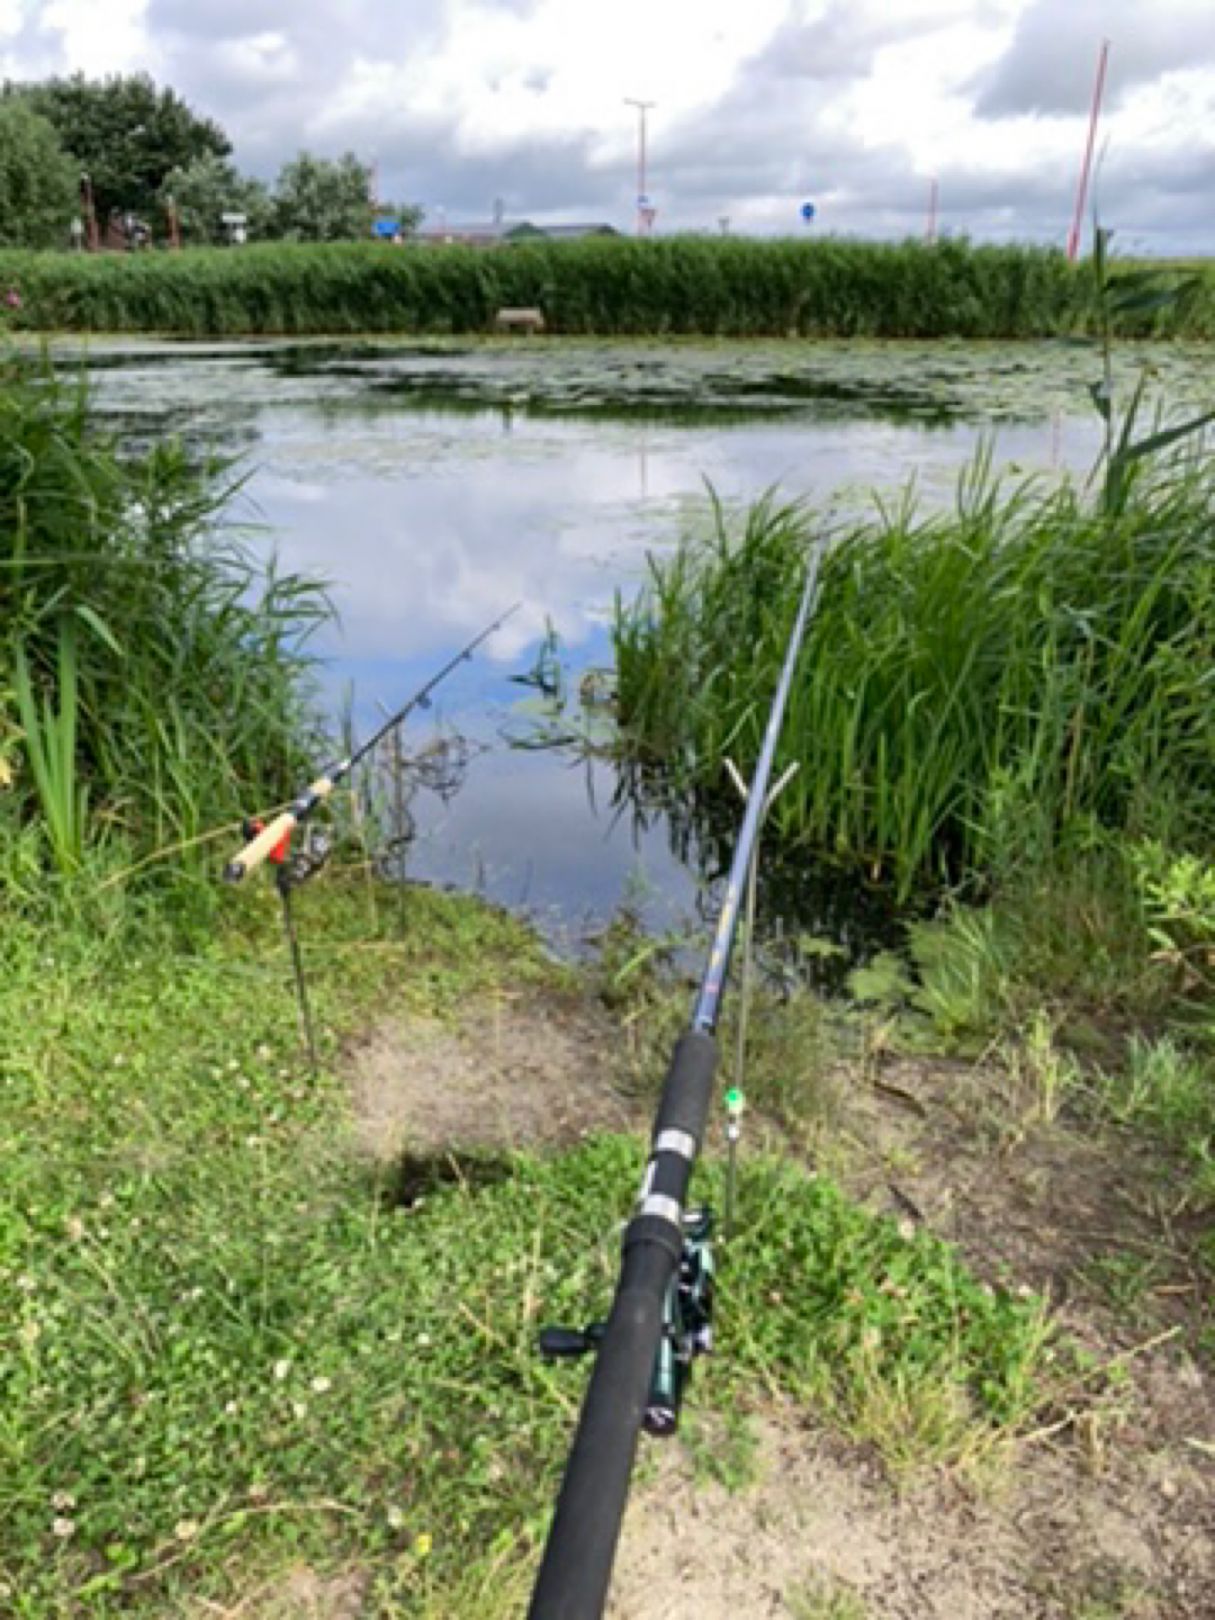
pixel 502 232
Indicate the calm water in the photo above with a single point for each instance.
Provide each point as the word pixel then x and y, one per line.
pixel 430 511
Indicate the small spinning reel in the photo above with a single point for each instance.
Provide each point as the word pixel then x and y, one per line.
pixel 687 1328
pixel 294 865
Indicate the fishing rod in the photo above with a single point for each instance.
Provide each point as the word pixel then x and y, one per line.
pixel 661 1315
pixel 270 838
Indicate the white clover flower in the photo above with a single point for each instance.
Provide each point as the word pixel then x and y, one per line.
pixel 321 1384
pixel 63 1528
pixel 281 1369
pixel 186 1529
pixel 61 1501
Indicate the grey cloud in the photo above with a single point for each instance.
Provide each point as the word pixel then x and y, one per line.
pixel 1050 64
pixel 34 51
pixel 841 44
pixel 533 178
pixel 336 29
pixel 269 119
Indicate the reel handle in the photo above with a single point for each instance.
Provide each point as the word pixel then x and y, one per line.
pixel 562 1343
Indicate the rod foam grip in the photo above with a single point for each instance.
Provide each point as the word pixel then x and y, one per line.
pixel 258 849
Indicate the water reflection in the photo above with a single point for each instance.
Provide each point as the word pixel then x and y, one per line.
pixel 428 524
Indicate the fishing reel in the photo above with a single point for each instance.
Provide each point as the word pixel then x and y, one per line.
pixel 687 1328
pixel 294 865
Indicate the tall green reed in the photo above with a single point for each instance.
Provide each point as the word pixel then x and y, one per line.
pixel 49 730
pixel 976 686
pixel 158 663
pixel 683 285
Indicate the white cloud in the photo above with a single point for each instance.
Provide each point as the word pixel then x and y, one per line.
pixel 853 102
pixel 98 36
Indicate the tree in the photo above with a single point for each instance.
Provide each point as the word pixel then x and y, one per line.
pixel 323 200
pixel 204 191
pixel 125 133
pixel 38 181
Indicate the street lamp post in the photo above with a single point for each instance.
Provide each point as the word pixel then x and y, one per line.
pixel 644 212
pixel 934 199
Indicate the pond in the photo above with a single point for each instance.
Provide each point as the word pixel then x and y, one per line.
pixel 433 485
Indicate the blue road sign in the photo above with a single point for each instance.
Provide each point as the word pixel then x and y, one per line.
pixel 808 211
pixel 386 227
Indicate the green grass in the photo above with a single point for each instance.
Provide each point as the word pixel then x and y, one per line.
pixel 824 1600
pixel 712 287
pixel 1168 1088
pixel 225 1350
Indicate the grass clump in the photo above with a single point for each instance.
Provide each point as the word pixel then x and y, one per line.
pixel 890 1334
pixel 152 680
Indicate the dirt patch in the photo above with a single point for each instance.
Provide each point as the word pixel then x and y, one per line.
pixel 512 1072
pixel 823 1521
pixel 299 1594
pixel 1086 1218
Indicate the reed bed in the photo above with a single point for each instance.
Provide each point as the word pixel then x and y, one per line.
pixel 978 686
pixel 716 287
pixel 152 671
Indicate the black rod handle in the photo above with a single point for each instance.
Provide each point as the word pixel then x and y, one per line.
pixel 581 1548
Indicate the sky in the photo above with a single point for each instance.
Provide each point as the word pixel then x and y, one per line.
pixel 760 105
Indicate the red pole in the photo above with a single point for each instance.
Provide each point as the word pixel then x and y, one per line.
pixel 1073 240
pixel 642 201
pixel 930 234
pixel 641 191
